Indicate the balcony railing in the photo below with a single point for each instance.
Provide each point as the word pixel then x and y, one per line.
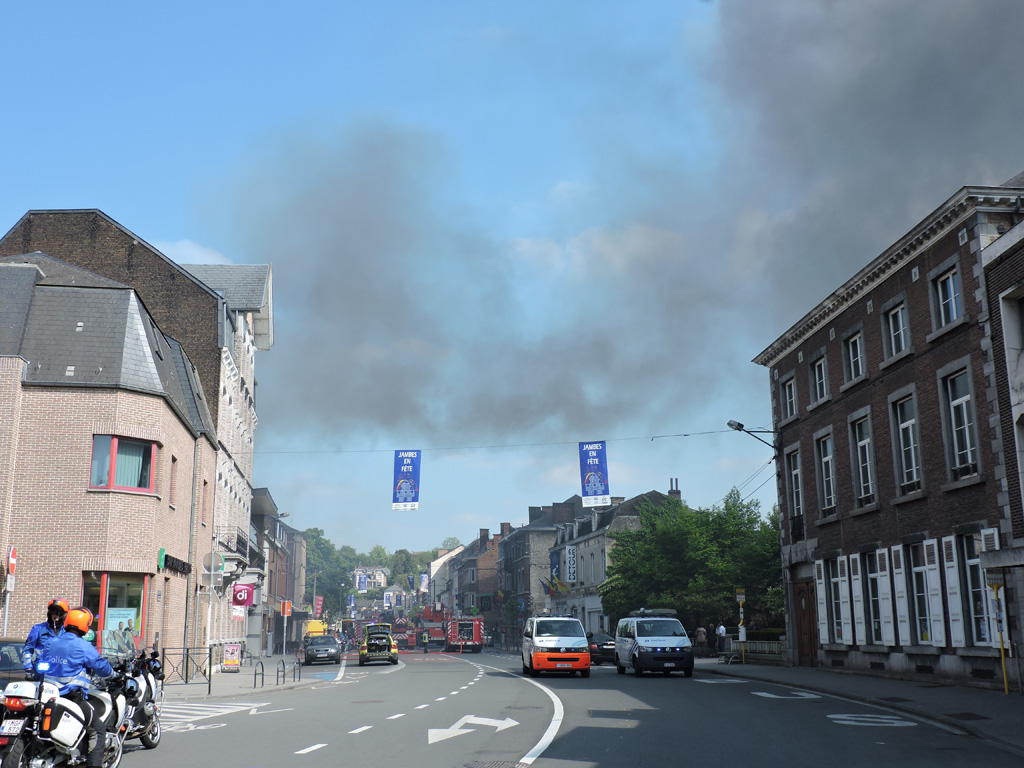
pixel 232 539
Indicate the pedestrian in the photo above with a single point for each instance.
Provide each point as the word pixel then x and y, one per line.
pixel 702 641
pixel 720 632
pixel 42 634
pixel 426 640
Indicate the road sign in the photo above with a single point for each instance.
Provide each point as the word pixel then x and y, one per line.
pixel 213 561
pixel 994 578
pixel 12 559
pixel 741 596
pixel 286 607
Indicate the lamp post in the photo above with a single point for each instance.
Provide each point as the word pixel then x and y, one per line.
pixel 753 432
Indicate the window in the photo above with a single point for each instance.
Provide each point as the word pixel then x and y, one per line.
pixel 947 288
pixel 826 475
pixel 908 454
pixel 793 483
pixel 899 335
pixel 121 463
pixel 977 591
pixel 789 398
pixel 962 439
pixel 819 379
pixel 874 598
pixel 861 430
pixel 919 585
pixel 835 598
pixel 854 356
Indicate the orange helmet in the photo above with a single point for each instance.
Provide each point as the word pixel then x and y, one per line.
pixel 79 619
pixel 59 602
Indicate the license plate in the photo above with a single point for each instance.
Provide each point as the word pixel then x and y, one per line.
pixel 12 727
pixel 563 664
pixel 670 663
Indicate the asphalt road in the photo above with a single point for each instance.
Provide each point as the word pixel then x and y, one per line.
pixel 478 710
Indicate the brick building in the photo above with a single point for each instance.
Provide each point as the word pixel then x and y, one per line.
pixel 220 315
pixel 893 452
pixel 105 439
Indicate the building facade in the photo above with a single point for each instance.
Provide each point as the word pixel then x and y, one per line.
pixel 892 460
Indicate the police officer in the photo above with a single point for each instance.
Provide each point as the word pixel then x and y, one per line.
pixel 40 636
pixel 69 661
pixel 426 640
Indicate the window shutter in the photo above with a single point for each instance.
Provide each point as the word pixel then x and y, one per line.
pixel 954 603
pixel 885 598
pixel 899 589
pixel 989 542
pixel 819 583
pixel 857 588
pixel 844 602
pixel 938 619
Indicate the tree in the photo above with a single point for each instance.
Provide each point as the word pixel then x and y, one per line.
pixel 452 542
pixel 694 560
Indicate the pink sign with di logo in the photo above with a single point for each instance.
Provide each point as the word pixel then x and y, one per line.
pixel 242 594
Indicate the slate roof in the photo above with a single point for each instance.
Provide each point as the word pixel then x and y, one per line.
pixel 245 288
pixel 1016 181
pixel 79 329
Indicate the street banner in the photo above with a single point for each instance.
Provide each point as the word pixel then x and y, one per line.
pixel 238 613
pixel 405 491
pixel 594 475
pixel 318 605
pixel 570 562
pixel 242 594
pixel 556 568
pixel 410 577
pixel 398 599
pixel 387 599
pixel 351 601
pixel 424 582
pixel 361 583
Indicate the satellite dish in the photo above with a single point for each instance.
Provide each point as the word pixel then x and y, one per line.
pixel 213 562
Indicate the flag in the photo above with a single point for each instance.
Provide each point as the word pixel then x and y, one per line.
pixel 561 585
pixel 548 590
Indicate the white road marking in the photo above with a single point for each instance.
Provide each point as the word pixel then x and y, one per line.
pixel 360 730
pixel 796 695
pixel 440 698
pixel 395 717
pixel 307 750
pixel 886 721
pixel 422 706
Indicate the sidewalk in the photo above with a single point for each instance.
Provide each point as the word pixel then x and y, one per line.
pixel 990 715
pixel 248 681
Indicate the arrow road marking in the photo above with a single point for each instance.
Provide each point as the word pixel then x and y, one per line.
pixel 440 734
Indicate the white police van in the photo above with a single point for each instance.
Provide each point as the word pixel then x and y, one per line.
pixel 653 639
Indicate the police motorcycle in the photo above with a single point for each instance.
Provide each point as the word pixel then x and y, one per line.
pixel 45 730
pixel 144 698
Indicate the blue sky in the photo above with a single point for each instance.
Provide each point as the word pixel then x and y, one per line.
pixel 497 229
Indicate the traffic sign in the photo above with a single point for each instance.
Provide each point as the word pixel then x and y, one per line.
pixel 994 578
pixel 213 561
pixel 741 596
pixel 12 559
pixel 286 607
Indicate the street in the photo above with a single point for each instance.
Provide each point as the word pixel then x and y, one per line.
pixel 441 710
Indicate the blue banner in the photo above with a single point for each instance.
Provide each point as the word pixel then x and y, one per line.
pixel 424 582
pixel 387 599
pixel 555 562
pixel 410 577
pixel 361 582
pixel 351 601
pixel 594 475
pixel 405 491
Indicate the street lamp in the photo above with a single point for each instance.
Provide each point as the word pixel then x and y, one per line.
pixel 753 433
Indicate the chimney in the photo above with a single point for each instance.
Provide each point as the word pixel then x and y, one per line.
pixel 535 513
pixel 506 529
pixel 674 491
pixel 485 535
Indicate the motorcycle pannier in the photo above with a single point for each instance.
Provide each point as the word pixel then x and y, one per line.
pixel 62 721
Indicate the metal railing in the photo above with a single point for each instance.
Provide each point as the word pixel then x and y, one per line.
pixel 184 665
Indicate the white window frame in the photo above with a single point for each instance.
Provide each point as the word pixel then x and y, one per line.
pixel 826 471
pixel 908 446
pixel 896 325
pixel 854 349
pixel 949 297
pixel 963 439
pixel 794 490
pixel 820 378
pixel 789 400
pixel 863 459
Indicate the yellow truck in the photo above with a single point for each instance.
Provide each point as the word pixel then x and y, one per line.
pixel 312 627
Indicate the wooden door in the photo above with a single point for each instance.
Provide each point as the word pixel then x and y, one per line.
pixel 806 622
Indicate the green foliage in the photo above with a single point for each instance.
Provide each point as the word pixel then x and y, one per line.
pixel 694 560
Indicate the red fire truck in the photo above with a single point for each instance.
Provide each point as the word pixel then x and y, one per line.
pixel 452 633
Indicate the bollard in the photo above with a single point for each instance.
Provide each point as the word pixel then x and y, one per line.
pixel 257 670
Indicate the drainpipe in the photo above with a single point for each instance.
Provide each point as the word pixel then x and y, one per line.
pixel 196 488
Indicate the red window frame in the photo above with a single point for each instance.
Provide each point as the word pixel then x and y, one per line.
pixel 112 472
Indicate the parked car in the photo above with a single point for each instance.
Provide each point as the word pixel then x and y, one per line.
pixel 378 645
pixel 321 648
pixel 10 660
pixel 602 647
pixel 555 644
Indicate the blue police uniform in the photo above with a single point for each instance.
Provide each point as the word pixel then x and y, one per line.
pixel 68 661
pixel 39 638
